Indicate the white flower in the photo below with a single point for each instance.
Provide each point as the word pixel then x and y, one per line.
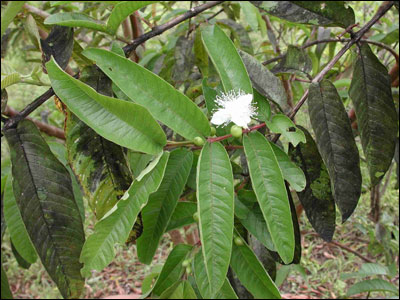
pixel 233 106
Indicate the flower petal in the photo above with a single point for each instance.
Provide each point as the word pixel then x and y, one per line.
pixel 220 117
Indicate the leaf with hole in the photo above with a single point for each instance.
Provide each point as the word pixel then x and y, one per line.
pixel 336 144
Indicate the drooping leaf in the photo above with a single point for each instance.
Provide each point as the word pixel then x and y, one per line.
pixel 100 165
pixel 43 191
pixel 336 144
pixel 5 287
pixel 200 274
pixel 322 13
pixel 172 269
pixel 161 205
pixel 265 82
pixel 285 126
pixel 269 187
pixel 165 103
pixel 296 60
pixel 226 60
pixel 20 260
pixel 290 171
pixel 182 215
pixel 59 45
pixel 250 215
pixel 376 114
pixel 74 19
pixel 121 11
pixel 373 285
pixel 251 272
pixel 215 200
pixel 240 35
pixel 16 227
pixel 98 250
pixel 8 15
pixel 317 199
pixel 109 117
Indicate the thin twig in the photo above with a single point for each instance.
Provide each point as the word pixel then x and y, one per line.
pixel 157 30
pixel 352 251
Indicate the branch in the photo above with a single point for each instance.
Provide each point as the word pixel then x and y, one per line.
pixel 157 30
pixel 46 128
pixel 352 251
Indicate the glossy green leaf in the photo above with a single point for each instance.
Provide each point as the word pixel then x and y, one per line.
pixel 283 125
pixel 322 13
pixel 5 287
pixel 74 19
pixel 317 199
pixel 20 260
pixel 376 114
pixel 226 60
pixel 109 117
pixel 138 161
pixel 172 269
pixel 336 144
pixel 9 13
pixel 200 274
pixel 100 165
pixel 16 226
pixel 263 107
pixel 98 250
pixel 43 191
pixel 165 103
pixel 290 171
pixel 251 273
pixel 373 285
pixel 296 60
pixel 251 217
pixel 215 200
pixel 121 11
pixel 269 187
pixel 209 96
pixel 265 82
pixel 182 215
pixel 161 205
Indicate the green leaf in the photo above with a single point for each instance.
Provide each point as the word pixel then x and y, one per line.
pixel 161 205
pixel 251 217
pixel 268 184
pixel 121 11
pixel 250 14
pixel 290 171
pixel 20 260
pixel 263 107
pixel 373 285
pixel 10 79
pixel 265 82
pixel 336 144
pixel 226 60
pixel 251 273
pixel 367 269
pixel 296 60
pixel 138 161
pixel 165 103
pixel 43 191
pixel 172 269
pixel 33 31
pixel 322 13
pixel 215 200
pixel 209 96
pixel 285 126
pixel 317 199
pixel 240 36
pixel 200 54
pixel 73 19
pixel 370 91
pixel 182 216
pixel 98 250
pixel 109 117
pixel 184 60
pixel 9 13
pixel 16 227
pixel 200 274
pixel 5 287
pixel 100 165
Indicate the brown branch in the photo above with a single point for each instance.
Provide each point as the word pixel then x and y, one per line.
pixel 352 251
pixel 157 30
pixel 46 128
